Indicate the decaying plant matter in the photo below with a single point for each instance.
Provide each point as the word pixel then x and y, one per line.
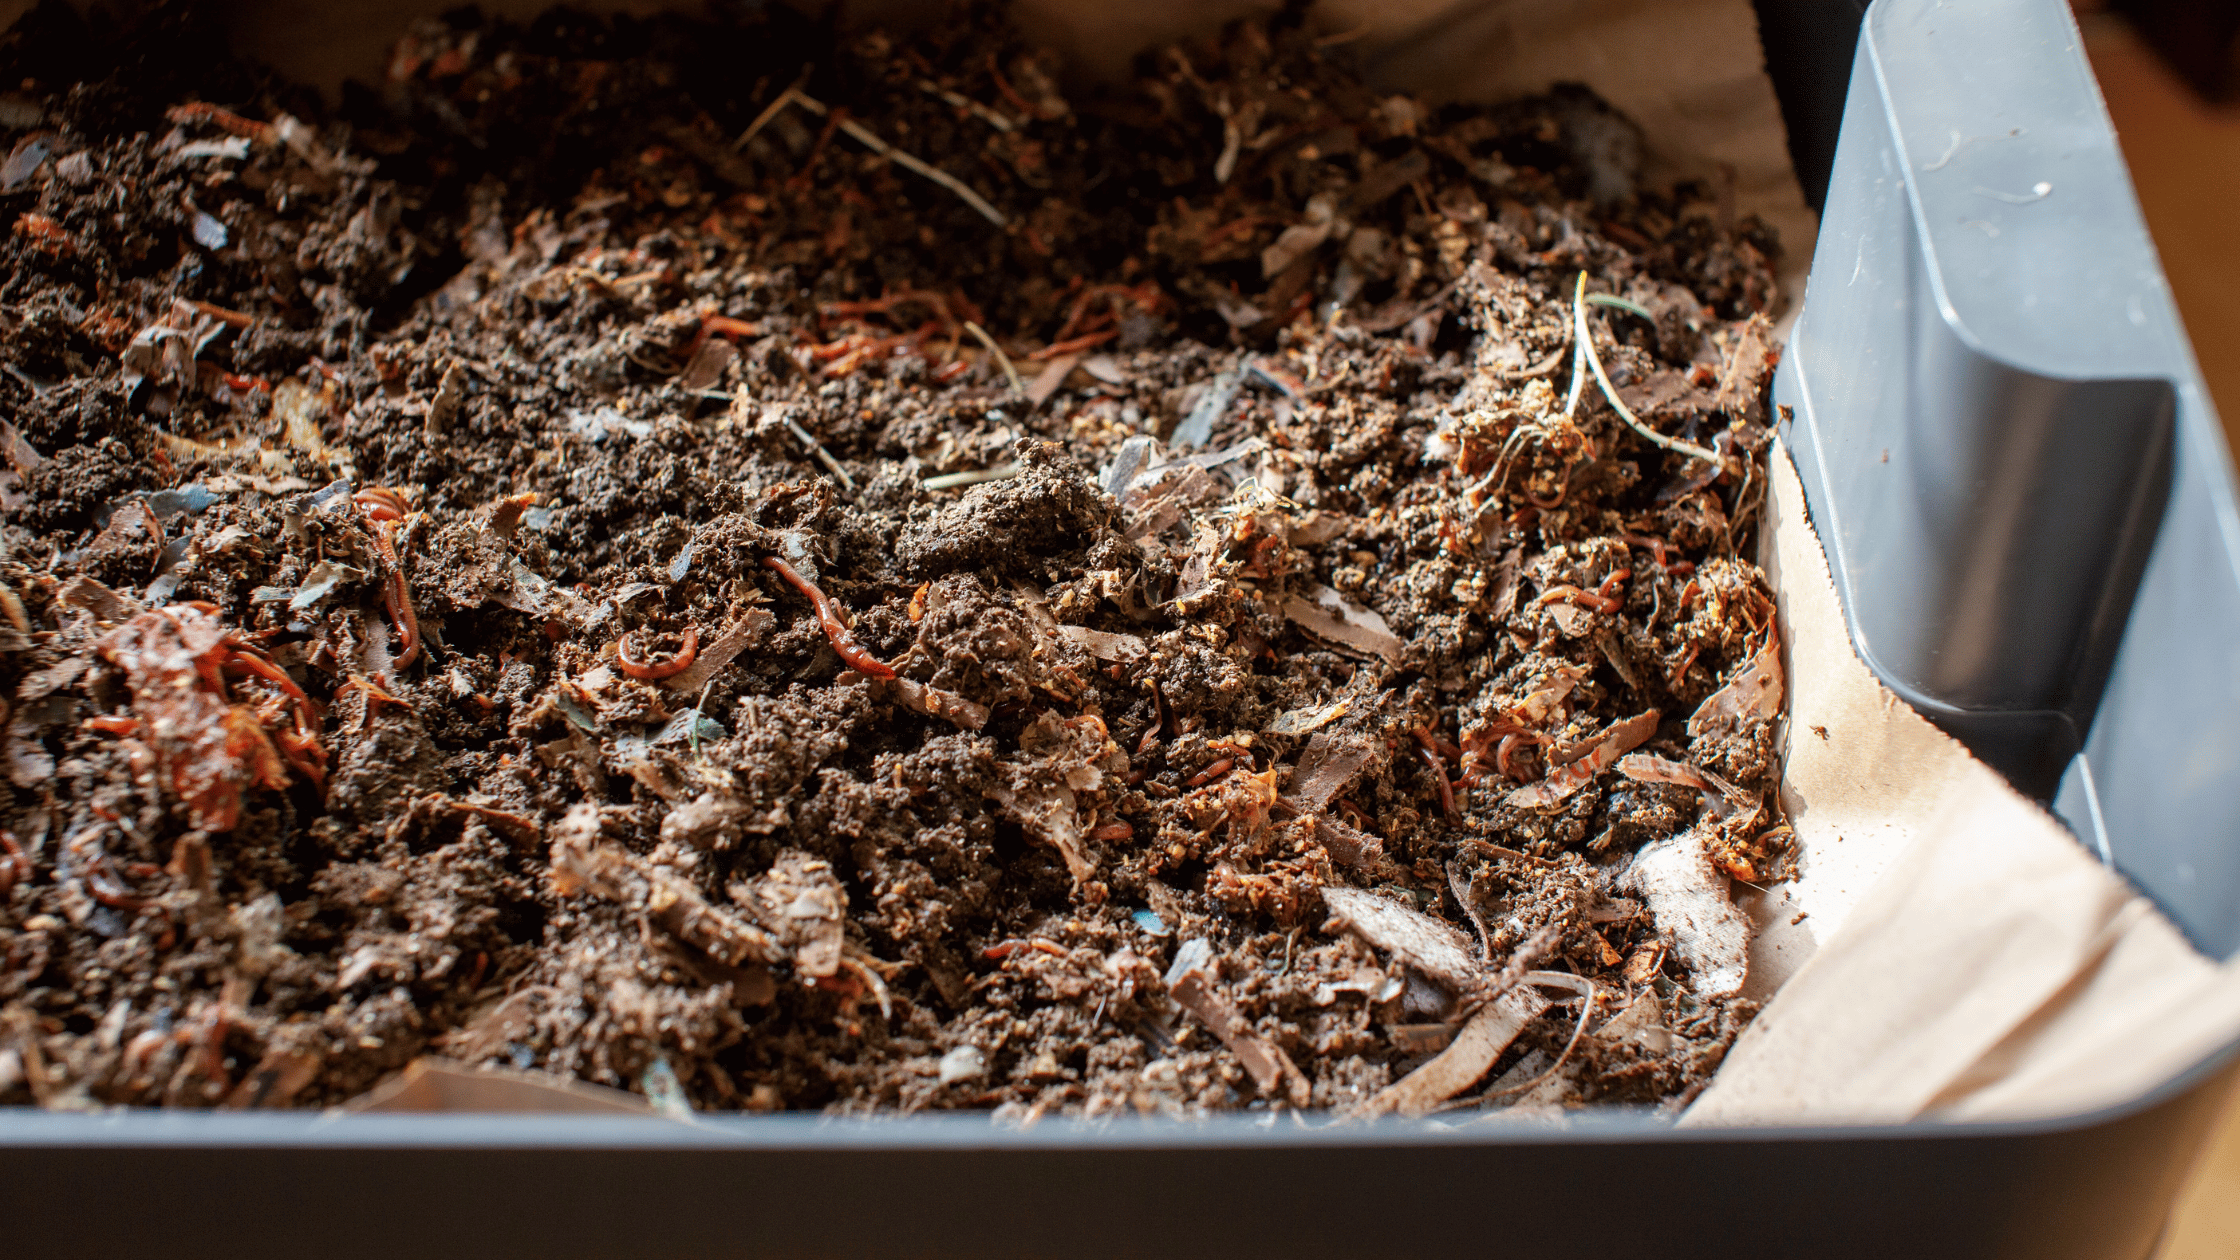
pixel 784 570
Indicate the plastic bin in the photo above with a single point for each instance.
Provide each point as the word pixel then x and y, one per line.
pixel 2045 564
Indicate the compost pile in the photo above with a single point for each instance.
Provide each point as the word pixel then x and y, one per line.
pixel 776 567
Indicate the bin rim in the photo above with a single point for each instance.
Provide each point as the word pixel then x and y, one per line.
pixel 30 1128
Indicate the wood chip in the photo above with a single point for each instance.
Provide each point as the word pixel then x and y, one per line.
pixel 1350 847
pixel 1753 694
pixel 736 638
pixel 1192 984
pixel 1420 1038
pixel 83 592
pixel 1327 767
pixel 1437 949
pixel 1331 618
pixel 1461 1064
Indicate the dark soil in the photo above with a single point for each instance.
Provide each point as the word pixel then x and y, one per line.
pixel 1300 578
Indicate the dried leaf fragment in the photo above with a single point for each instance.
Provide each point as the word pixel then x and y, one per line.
pixel 1309 719
pixel 1191 983
pixel 966 713
pixel 83 592
pixel 1722 797
pixel 1753 694
pixel 737 637
pixel 1349 846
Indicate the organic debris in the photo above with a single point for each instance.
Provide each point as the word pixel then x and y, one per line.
pixel 776 569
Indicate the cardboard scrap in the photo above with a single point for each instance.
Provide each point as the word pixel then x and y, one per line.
pixel 1948 948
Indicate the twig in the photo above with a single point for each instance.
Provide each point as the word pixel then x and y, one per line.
pixel 847 482
pixel 1520 960
pixel 1609 391
pixel 771 110
pixel 1578 366
pixel 950 481
pixel 1563 980
pixel 1001 358
pixel 700 711
pixel 961 101
pixel 1542 368
pixel 870 140
pixel 927 169
pixel 1623 304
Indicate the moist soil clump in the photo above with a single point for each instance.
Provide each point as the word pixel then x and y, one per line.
pixel 782 568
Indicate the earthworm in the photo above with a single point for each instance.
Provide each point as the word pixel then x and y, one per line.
pixel 301 746
pixel 651 670
pixel 1352 811
pixel 1608 589
pixel 108 890
pixel 302 750
pixel 112 724
pixel 1585 599
pixel 1438 766
pixel 843 640
pixel 250 661
pixel 226 119
pixel 381 503
pixel 15 865
pixel 232 319
pixel 718 326
pixel 1657 546
pixel 1212 772
pixel 384 507
pixel 1501 756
